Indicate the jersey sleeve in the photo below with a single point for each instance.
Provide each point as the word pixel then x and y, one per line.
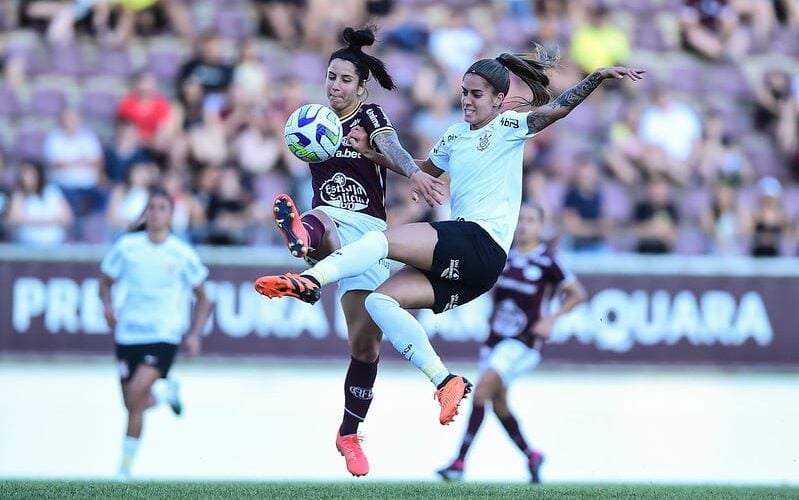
pixel 376 122
pixel 194 272
pixel 514 126
pixel 113 263
pixel 440 153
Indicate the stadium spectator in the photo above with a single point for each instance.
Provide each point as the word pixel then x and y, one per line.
pixel 711 28
pixel 250 75
pixel 671 129
pixel 209 69
pixel 259 147
pixel 229 210
pixel 282 20
pixel 128 199
pixel 518 330
pixel 583 208
pixel 767 225
pixel 349 201
pixel 151 17
pixel 157 270
pixel 430 123
pixel 38 213
pixel 656 218
pixel 721 221
pixel 125 151
pixel 188 214
pixel 625 153
pixel 599 43
pixel 146 108
pixel 454 43
pixel 450 263
pixel 75 157
pixel 777 112
pixel 720 156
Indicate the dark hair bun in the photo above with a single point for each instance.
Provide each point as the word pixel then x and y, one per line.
pixel 359 38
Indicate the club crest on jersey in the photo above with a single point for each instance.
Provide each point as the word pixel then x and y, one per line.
pixel 484 142
pixel 344 192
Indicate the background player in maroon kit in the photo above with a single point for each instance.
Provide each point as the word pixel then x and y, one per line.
pixel 349 201
pixel 518 331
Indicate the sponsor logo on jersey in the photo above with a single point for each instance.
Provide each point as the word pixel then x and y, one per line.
pixel 451 272
pixel 484 142
pixel 347 153
pixel 373 118
pixel 151 360
pixel 344 192
pixel 532 273
pixel 509 122
pixel 364 393
pixel 453 302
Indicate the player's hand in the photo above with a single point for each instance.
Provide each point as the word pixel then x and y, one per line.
pixel 543 327
pixel 193 344
pixel 358 139
pixel 110 317
pixel 428 187
pixel 618 72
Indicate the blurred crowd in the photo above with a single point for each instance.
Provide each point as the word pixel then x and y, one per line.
pixel 99 99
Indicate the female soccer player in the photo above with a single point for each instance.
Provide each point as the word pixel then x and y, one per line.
pixel 156 270
pixel 449 263
pixel 518 331
pixel 349 193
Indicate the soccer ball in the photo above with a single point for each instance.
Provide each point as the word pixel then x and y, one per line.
pixel 313 133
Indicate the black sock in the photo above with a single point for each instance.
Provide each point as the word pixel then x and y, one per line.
pixel 444 382
pixel 475 420
pixel 511 425
pixel 311 278
pixel 357 394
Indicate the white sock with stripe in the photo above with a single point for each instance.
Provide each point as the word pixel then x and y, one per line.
pixel 406 335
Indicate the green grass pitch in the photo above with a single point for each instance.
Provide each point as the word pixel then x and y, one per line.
pixel 373 490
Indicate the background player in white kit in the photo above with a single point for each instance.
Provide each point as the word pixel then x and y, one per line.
pixel 449 263
pixel 518 331
pixel 157 272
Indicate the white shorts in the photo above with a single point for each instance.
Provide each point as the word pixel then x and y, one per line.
pixel 509 358
pixel 350 226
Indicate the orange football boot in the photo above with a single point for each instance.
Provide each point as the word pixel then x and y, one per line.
pixel 450 396
pixel 288 221
pixel 289 285
pixel 350 447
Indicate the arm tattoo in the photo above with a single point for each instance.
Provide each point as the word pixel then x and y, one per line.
pixel 402 161
pixel 539 118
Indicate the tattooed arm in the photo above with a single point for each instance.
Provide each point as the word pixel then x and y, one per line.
pixel 541 117
pixel 394 157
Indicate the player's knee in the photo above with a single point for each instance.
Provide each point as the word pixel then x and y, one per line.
pixel 377 304
pixel 365 343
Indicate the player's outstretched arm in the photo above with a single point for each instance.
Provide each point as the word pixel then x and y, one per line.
pixel 541 117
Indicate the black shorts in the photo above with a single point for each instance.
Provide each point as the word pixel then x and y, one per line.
pixel 466 263
pixel 159 355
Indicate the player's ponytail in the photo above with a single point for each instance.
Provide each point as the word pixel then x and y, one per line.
pixel 530 68
pixel 364 63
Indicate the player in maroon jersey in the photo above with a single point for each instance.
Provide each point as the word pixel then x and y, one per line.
pixel 518 331
pixel 349 201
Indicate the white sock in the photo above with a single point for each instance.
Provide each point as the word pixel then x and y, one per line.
pixel 158 392
pixel 129 448
pixel 352 259
pixel 406 335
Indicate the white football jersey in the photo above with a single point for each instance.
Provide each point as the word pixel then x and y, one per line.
pixel 485 170
pixel 156 282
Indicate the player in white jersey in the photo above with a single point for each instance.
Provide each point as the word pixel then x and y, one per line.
pixel 156 272
pixel 449 263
